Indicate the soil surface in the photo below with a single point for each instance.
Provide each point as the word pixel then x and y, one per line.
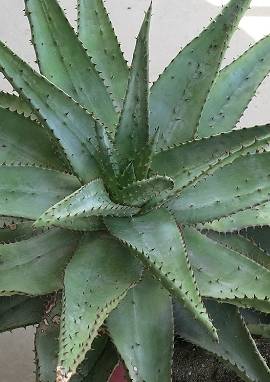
pixel 192 364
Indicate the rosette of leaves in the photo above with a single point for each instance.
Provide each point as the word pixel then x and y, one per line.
pixel 115 199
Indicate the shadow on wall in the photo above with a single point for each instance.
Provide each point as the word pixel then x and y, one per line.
pixel 173 25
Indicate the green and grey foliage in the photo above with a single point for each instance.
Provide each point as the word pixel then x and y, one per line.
pixel 125 210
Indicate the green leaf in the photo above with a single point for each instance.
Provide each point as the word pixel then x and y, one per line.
pixel 261 236
pixel 235 343
pixel 14 229
pixel 90 200
pixel 69 122
pixel 251 303
pixel 96 280
pixel 23 140
pixel 132 134
pixel 64 61
pixel 229 275
pixel 84 224
pixel 99 362
pixel 27 191
pixel 242 245
pixel 257 323
pixel 46 348
pixel 46 342
pixel 35 266
pixel 95 31
pixel 234 187
pixel 258 215
pixel 189 162
pixel 17 104
pixel 140 192
pixel 178 97
pixel 158 243
pixel 20 311
pixel 144 336
pixel 233 89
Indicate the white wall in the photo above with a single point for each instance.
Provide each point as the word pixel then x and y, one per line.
pixel 174 24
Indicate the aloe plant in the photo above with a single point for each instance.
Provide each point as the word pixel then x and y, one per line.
pixel 122 207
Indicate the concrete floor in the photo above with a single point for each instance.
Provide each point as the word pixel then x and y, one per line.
pixel 174 24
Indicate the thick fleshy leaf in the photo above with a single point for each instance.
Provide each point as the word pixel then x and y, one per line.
pixel 251 303
pixel 142 329
pixel 64 61
pixel 24 140
pixel 69 122
pixel 90 200
pixel 99 362
pixel 15 229
pixel 132 134
pixel 178 97
pixel 258 323
pixel 46 341
pixel 261 236
pixel 95 30
pixel 84 224
pixel 17 104
pixel 20 311
pixel 27 191
pixel 96 280
pixel 232 188
pixel 189 162
pixel 251 217
pixel 35 266
pixel 233 90
pixel 242 245
pixel 140 192
pixel 46 349
pixel 158 243
pixel 229 275
pixel 235 343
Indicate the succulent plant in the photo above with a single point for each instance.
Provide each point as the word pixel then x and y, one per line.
pixel 123 208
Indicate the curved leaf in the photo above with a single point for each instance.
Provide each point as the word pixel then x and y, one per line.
pixel 254 216
pixel 23 140
pixel 132 133
pixel 27 191
pixel 14 229
pixel 46 349
pixel 233 90
pixel 143 336
pixel 84 224
pixel 235 343
pixel 35 266
pixel 257 323
pixel 229 275
pixel 243 246
pixel 17 104
pixel 189 162
pixel 95 30
pixel 20 311
pixel 69 122
pixel 46 342
pixel 63 60
pixel 96 280
pixel 177 98
pixel 243 184
pixel 99 362
pixel 90 200
pixel 140 192
pixel 158 243
pixel 261 236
